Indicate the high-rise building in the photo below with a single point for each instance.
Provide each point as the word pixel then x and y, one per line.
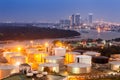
pixel 77 19
pixel 72 20
pixel 90 18
pixel 64 23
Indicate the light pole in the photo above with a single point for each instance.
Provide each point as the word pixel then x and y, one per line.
pixel 31 43
pixel 46 46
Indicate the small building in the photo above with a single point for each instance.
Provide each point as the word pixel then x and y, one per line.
pixel 49 67
pixel 77 68
pixel 24 68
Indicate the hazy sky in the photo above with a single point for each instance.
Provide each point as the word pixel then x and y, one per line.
pixel 53 10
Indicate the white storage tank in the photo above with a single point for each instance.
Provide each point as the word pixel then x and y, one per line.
pixel 49 67
pixel 6 70
pixel 37 57
pixel 76 53
pixel 69 58
pixel 115 57
pixel 83 59
pixel 59 51
pixel 115 65
pixel 77 68
pixel 92 53
pixel 7 55
pixel 34 59
pixel 53 59
pixel 17 60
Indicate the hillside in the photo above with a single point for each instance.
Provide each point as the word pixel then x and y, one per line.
pixel 30 32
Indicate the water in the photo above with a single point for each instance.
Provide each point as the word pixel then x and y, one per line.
pixel 93 34
pixel 85 34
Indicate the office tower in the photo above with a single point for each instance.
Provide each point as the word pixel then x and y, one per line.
pixel 90 18
pixel 77 19
pixel 64 23
pixel 72 20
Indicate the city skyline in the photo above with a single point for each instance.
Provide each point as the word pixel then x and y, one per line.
pixel 54 10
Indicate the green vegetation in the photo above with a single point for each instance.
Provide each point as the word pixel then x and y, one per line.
pixel 17 77
pixel 105 51
pixel 31 32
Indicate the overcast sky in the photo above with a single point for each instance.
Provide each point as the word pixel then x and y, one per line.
pixel 53 10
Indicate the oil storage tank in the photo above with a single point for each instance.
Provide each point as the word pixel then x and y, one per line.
pixel 6 70
pixel 59 51
pixel 83 59
pixel 53 59
pixel 91 53
pixel 17 60
pixel 77 68
pixel 115 65
pixel 100 59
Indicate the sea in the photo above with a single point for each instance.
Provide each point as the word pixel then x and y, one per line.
pixel 94 34
pixel 85 34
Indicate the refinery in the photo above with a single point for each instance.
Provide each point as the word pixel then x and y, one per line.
pixel 35 60
pixel 59 39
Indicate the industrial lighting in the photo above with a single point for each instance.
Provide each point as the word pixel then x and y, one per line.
pixel 17 63
pixel 19 48
pixel 31 42
pixel 46 44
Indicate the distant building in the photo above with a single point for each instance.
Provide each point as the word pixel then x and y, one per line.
pixel 77 19
pixel 72 20
pixel 90 18
pixel 64 23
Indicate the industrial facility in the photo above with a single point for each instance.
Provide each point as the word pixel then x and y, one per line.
pixel 57 60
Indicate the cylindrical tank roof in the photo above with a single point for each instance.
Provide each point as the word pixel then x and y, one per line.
pixel 59 48
pixel 91 53
pixel 7 66
pixel 18 57
pixel 77 53
pixel 49 64
pixel 79 65
pixel 83 56
pixel 100 59
pixel 115 62
pixel 53 57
